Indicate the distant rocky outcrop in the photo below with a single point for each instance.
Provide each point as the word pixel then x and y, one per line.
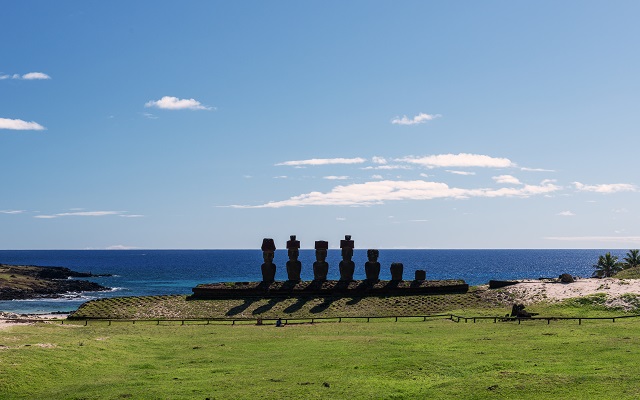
pixel 20 282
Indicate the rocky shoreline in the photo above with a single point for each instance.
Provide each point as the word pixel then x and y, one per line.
pixel 23 282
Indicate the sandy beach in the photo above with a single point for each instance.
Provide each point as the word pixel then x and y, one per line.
pixel 528 292
pixel 8 319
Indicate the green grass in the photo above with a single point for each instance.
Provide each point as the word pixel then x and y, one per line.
pixel 437 359
pixel 630 273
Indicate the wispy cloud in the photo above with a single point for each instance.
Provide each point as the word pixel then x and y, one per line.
pixel 506 179
pixel 20 125
pixel 120 247
pixel 604 239
pixel 12 212
pixel 87 214
pixel 462 160
pixel 28 76
pixel 149 116
pixel 378 192
pixel 324 161
pixel 536 169
pixel 174 103
pixel 418 119
pixel 566 214
pixel 379 160
pixel 464 173
pixel 335 178
pixel 606 188
pixel 386 167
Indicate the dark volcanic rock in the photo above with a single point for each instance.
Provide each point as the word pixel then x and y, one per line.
pixel 19 282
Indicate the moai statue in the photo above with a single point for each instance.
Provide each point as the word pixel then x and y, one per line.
pixel 421 275
pixel 396 271
pixel 347 267
pixel 293 265
pixel 268 268
pixel 372 267
pixel 321 267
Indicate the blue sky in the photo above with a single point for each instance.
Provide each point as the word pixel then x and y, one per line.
pixel 411 124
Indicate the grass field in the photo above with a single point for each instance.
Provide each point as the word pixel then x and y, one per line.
pixel 437 359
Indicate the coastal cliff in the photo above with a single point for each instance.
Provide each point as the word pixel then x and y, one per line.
pixel 20 282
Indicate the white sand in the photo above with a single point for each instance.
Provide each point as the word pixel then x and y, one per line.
pixel 10 319
pixel 529 292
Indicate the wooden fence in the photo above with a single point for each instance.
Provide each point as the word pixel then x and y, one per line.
pixel 285 321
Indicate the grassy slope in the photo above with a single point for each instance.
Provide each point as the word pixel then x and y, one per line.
pixel 179 307
pixel 436 359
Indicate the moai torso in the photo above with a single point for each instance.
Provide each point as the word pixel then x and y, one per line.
pixel 372 267
pixel 294 267
pixel 268 268
pixel 320 266
pixel 347 266
pixel 396 271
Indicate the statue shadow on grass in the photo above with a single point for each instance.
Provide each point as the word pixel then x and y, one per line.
pixel 300 302
pixel 326 303
pixel 265 307
pixel 353 301
pixel 240 308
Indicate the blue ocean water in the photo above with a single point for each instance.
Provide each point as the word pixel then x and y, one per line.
pixel 156 272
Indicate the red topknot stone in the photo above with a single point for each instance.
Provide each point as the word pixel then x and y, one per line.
pixel 322 245
pixel 293 243
pixel 347 243
pixel 268 245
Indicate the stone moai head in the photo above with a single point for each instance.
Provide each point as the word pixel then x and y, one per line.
pixel 372 255
pixel 293 247
pixel 347 246
pixel 268 250
pixel 321 250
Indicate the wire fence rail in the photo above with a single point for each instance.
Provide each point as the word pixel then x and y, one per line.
pixel 292 321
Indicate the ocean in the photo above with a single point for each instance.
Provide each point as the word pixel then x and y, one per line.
pixel 158 272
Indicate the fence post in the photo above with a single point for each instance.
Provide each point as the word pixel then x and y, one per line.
pixel 86 321
pixel 396 318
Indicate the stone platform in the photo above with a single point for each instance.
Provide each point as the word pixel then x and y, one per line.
pixel 362 288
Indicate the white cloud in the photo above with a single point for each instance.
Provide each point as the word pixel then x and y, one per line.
pixel 340 219
pixel 377 177
pixel 131 215
pixel 379 160
pixel 418 119
pixel 461 160
pixel 378 192
pixel 174 103
pixel 281 177
pixel 324 161
pixel 11 211
pixel 28 76
pixel 35 75
pixel 508 179
pixel 566 214
pixel 465 173
pixel 335 178
pixel 149 116
pixel 120 247
pixel 606 188
pixel 20 125
pixel 418 220
pixel 620 211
